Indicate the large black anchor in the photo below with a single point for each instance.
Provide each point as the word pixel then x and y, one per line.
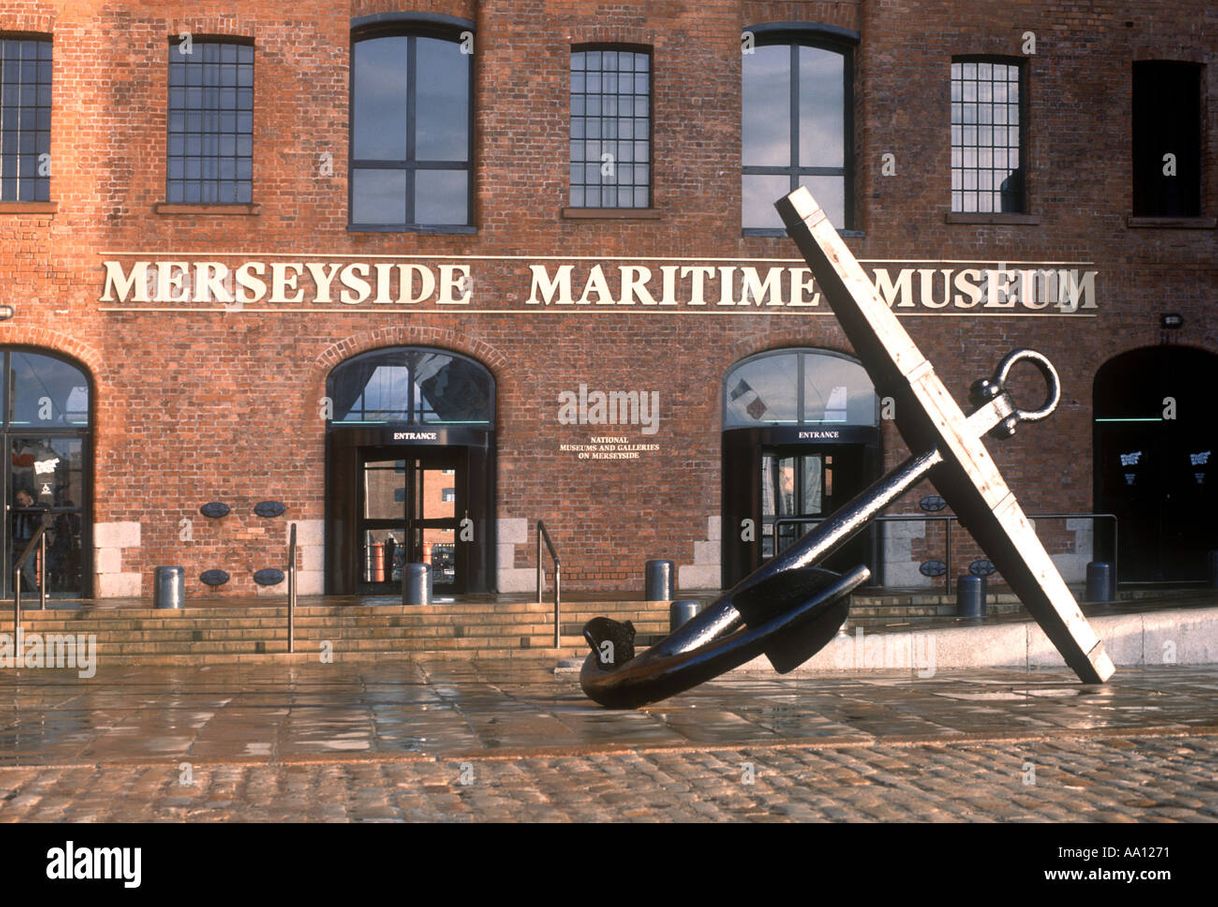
pixel 788 608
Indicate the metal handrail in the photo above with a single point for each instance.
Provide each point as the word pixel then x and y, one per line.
pixel 951 519
pixel 292 588
pixel 39 538
pixel 542 534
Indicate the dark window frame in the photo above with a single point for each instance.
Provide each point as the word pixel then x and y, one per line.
pixel 403 356
pixel 615 47
pixel 802 354
pixel 411 27
pixel 1021 64
pixel 838 41
pixel 176 187
pixel 1146 200
pixel 41 185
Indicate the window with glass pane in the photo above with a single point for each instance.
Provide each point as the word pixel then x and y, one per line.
pixel 211 123
pixel 798 387
pixel 610 128
pixel 795 116
pixel 25 119
pixel 410 133
pixel 413 385
pixel 45 392
pixel 987 137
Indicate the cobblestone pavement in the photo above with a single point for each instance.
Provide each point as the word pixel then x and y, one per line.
pixel 1122 779
pixel 464 742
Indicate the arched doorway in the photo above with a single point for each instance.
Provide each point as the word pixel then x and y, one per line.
pixel 1154 438
pixel 410 471
pixel 45 422
pixel 800 438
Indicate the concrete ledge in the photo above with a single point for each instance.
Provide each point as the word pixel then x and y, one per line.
pixel 1185 636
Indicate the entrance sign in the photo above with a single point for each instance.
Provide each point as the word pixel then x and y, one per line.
pixel 786 610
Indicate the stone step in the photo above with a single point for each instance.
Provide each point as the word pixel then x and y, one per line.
pixel 108 651
pixel 38 619
pixel 279 609
pixel 205 633
pixel 547 657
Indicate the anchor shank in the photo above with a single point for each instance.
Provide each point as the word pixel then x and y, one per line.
pixel 723 617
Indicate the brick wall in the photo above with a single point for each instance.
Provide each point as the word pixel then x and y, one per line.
pixel 192 408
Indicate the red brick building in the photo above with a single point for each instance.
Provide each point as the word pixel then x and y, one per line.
pixel 522 253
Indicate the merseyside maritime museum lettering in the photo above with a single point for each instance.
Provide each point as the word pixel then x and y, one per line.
pixel 980 287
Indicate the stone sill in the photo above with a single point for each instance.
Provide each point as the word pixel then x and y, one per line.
pixel 237 210
pixel 28 207
pixel 1176 223
pixel 997 219
pixel 611 214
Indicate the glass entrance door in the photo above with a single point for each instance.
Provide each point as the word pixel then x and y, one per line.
pixel 793 488
pixel 410 512
pixel 802 485
pixel 44 484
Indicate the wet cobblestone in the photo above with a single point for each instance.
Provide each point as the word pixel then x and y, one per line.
pixel 519 744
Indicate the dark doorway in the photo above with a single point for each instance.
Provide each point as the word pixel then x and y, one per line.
pixel 410 512
pixel 44 429
pixel 1154 439
pixel 410 453
pixel 801 486
pixel 801 438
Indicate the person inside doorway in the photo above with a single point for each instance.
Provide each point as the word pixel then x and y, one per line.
pixel 26 518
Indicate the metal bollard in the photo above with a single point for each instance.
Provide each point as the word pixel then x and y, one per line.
pixel 169 588
pixel 660 584
pixel 1101 582
pixel 416 584
pixel 970 596
pixel 681 612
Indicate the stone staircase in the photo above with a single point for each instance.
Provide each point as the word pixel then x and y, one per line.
pixel 222 634
pixel 227 632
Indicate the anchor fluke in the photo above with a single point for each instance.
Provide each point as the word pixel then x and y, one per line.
pixel 787 634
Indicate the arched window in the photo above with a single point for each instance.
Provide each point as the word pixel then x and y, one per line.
pixel 798 387
pixel 411 126
pixel 412 386
pixel 796 122
pixel 42 391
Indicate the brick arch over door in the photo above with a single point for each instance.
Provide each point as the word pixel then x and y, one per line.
pixel 57 344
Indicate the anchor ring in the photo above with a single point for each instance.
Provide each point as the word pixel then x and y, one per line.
pixel 989 388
